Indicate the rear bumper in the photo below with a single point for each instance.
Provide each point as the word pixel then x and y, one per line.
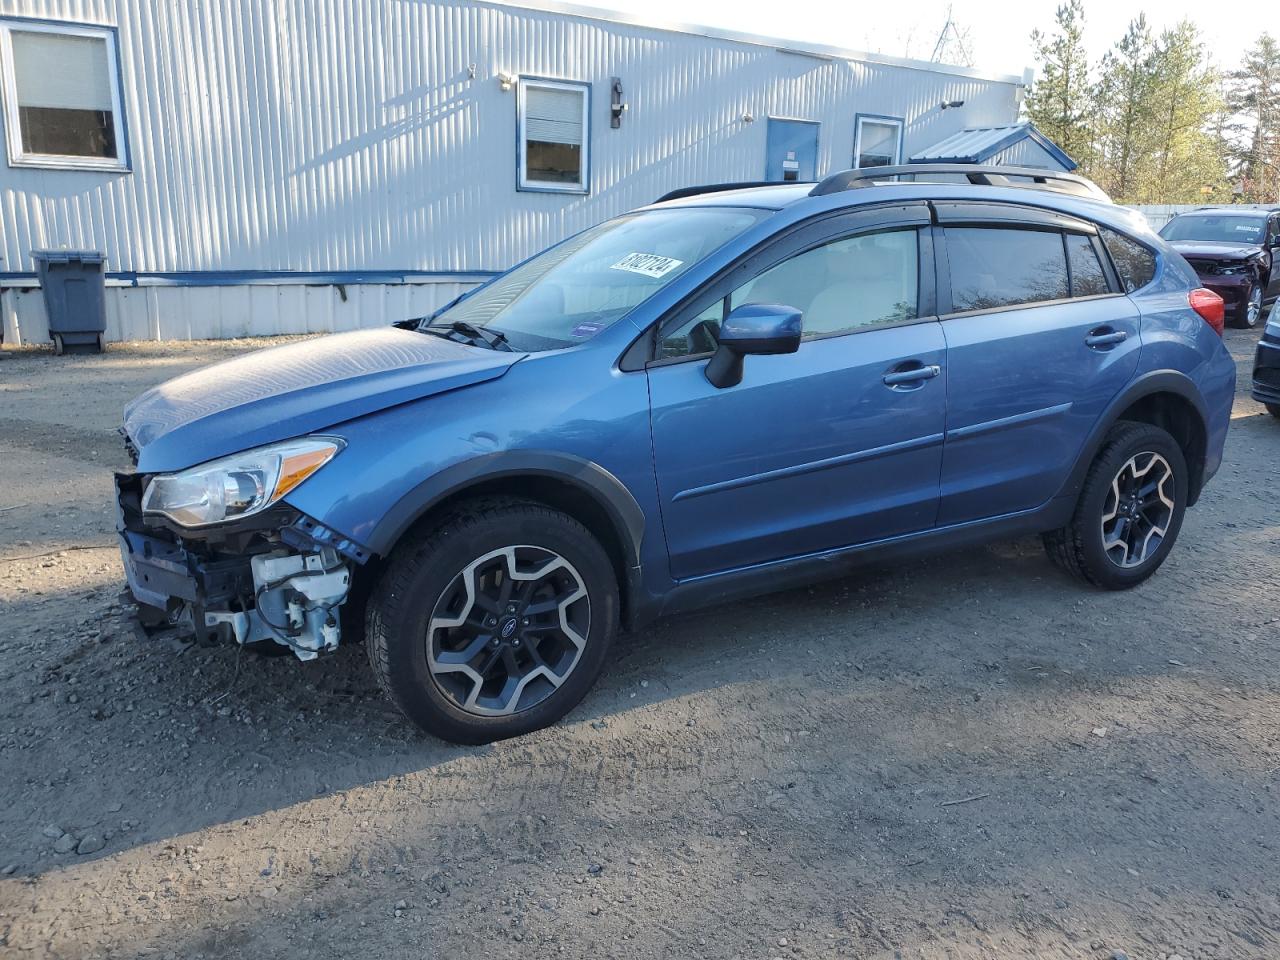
pixel 1266 369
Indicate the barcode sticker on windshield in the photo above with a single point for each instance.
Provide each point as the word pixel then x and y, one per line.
pixel 647 264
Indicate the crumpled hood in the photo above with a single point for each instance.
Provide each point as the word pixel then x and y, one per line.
pixel 1218 251
pixel 287 391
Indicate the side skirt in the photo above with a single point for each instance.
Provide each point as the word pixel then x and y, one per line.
pixel 775 575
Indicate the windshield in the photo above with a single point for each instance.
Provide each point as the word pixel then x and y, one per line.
pixel 568 294
pixel 1230 228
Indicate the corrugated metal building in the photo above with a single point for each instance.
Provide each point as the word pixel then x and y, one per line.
pixel 273 166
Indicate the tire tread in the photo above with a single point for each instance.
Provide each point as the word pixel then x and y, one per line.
pixel 393 589
pixel 1065 545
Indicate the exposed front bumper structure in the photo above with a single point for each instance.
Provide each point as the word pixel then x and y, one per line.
pixel 280 579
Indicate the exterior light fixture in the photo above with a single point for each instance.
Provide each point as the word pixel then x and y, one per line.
pixel 950 103
pixel 506 80
pixel 616 106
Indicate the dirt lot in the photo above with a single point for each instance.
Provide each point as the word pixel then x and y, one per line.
pixel 965 757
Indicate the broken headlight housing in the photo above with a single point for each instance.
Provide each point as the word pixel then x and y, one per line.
pixel 236 486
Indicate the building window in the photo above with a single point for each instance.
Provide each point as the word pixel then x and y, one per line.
pixel 877 141
pixel 554 122
pixel 62 96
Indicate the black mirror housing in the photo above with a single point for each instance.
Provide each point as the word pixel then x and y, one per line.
pixel 755 328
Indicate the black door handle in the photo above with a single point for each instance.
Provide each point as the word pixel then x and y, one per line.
pixel 917 374
pixel 1105 338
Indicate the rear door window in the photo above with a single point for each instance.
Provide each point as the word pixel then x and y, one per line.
pixel 995 267
pixel 1087 276
pixel 1134 262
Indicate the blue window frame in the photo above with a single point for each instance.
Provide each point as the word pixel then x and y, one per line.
pixel 62 95
pixel 553 131
pixel 877 140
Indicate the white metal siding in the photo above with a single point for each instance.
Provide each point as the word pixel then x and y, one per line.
pixel 248 310
pixel 350 135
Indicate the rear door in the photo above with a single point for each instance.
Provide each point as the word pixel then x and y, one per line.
pixel 1039 340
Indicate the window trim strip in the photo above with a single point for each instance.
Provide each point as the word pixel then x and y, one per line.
pixel 523 183
pixel 18 155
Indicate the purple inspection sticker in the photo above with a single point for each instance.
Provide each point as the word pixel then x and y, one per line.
pixel 587 329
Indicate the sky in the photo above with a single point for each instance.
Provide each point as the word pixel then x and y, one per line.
pixel 999 33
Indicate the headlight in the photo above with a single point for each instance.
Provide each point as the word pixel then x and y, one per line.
pixel 1234 269
pixel 238 485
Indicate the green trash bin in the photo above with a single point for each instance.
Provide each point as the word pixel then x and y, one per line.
pixel 75 298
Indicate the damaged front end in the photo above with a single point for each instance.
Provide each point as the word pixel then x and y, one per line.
pixel 274 577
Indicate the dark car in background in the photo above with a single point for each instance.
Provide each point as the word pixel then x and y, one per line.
pixel 1234 252
pixel 1266 368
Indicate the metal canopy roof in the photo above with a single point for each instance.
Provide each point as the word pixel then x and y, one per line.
pixel 980 144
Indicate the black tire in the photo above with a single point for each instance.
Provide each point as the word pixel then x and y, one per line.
pixel 424 572
pixel 1240 316
pixel 58 346
pixel 1274 409
pixel 1078 547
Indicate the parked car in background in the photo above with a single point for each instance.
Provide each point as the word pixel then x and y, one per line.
pixel 1234 252
pixel 703 400
pixel 1266 368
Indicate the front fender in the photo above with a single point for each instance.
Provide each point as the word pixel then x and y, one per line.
pixel 591 479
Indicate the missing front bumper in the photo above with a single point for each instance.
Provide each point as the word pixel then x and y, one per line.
pixel 270 590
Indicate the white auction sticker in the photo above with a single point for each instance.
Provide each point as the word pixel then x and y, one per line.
pixel 647 264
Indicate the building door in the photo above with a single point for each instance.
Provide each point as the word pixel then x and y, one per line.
pixel 791 154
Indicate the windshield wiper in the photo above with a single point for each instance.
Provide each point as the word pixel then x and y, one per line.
pixel 493 339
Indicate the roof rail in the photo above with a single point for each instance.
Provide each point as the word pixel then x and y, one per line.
pixel 718 187
pixel 1034 178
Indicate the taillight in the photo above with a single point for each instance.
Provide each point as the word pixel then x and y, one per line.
pixel 1210 306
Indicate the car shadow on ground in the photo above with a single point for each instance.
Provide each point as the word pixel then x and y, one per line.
pixel 149 740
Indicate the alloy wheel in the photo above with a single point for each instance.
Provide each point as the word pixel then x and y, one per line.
pixel 508 630
pixel 1138 510
pixel 1253 309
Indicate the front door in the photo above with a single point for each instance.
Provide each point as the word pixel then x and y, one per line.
pixel 792 150
pixel 837 444
pixel 1036 351
pixel 1272 240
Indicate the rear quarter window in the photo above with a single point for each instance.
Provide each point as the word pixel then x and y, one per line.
pixel 1134 262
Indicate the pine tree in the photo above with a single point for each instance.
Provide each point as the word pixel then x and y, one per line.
pixel 1254 92
pixel 1060 101
pixel 1125 108
pixel 1184 91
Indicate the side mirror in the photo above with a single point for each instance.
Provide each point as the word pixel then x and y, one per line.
pixel 755 328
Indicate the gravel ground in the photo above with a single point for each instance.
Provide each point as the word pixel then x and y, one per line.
pixel 964 757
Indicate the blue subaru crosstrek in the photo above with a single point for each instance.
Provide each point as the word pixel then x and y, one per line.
pixel 725 393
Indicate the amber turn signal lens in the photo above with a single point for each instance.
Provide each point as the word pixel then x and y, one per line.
pixel 296 467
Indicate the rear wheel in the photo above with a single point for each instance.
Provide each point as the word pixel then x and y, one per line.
pixel 493 624
pixel 1129 512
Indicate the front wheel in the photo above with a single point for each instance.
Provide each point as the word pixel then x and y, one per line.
pixel 1129 512
pixel 1249 312
pixel 495 623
